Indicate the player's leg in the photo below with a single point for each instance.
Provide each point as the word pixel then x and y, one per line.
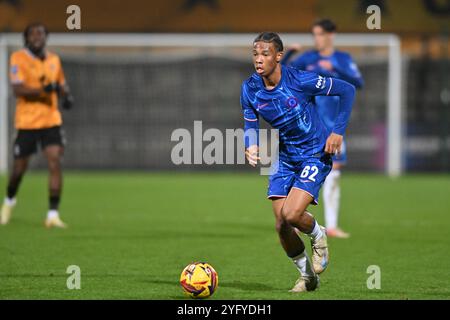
pixel 332 195
pixel 294 212
pixel 24 146
pixel 295 249
pixel 20 166
pixel 290 241
pixel 53 154
pixel 305 191
pixel 53 148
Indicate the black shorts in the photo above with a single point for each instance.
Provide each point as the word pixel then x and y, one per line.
pixel 27 141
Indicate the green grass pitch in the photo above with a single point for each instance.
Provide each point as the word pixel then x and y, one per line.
pixel 132 233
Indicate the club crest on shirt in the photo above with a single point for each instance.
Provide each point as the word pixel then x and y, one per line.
pixel 291 102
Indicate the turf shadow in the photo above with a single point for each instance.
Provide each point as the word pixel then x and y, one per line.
pixel 241 285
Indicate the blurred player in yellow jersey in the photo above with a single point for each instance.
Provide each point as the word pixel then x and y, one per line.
pixel 37 79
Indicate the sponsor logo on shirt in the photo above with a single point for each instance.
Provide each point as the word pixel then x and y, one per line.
pixel 320 83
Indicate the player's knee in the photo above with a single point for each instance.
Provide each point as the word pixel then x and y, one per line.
pixel 291 215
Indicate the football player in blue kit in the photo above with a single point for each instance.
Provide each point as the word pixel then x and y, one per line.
pixel 328 62
pixel 284 98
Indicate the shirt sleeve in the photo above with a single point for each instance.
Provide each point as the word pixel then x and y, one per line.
pixel 316 85
pixel 251 120
pixel 16 70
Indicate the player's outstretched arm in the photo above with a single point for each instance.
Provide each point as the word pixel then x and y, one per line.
pixel 251 128
pixel 316 85
pixel 346 93
pixel 251 140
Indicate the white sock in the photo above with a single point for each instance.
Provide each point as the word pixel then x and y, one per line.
pixel 316 233
pixel 331 197
pixel 52 214
pixel 10 201
pixel 303 264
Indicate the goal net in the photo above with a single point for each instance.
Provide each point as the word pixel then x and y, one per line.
pixel 133 90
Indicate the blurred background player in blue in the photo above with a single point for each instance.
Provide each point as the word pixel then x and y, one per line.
pixel 328 62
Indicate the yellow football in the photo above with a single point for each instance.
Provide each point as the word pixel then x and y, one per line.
pixel 199 280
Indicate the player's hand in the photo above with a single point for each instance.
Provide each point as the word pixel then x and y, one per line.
pixel 251 153
pixel 334 143
pixel 51 87
pixel 326 64
pixel 67 101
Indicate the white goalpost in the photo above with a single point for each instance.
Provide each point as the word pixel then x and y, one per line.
pixel 391 42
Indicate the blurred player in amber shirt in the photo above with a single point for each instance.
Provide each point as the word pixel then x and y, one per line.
pixel 37 79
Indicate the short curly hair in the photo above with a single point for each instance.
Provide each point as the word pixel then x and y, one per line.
pixel 270 37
